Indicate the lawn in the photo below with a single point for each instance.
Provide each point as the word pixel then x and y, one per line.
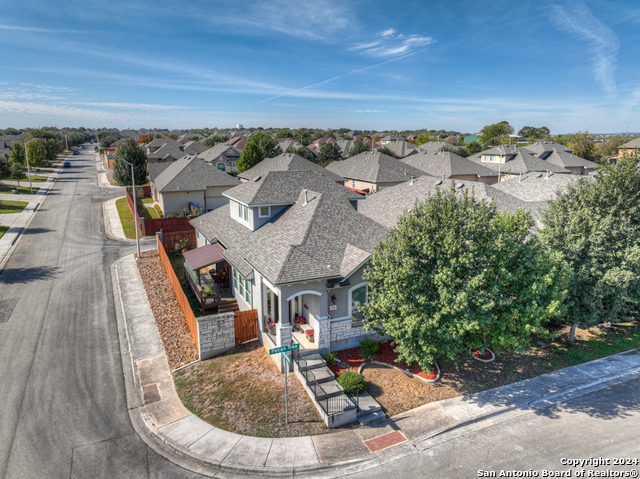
pixel 3 229
pixel 126 218
pixel 149 213
pixel 22 190
pixel 147 200
pixel 397 392
pixel 243 392
pixel 34 179
pixel 12 206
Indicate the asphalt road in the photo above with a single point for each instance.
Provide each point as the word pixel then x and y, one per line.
pixel 63 411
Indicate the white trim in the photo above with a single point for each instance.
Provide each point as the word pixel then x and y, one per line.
pixel 260 215
pixel 270 286
pixel 303 292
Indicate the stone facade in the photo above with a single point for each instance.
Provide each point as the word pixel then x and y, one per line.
pixel 343 336
pixel 216 334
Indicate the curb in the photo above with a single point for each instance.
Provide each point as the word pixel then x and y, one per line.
pixel 107 224
pixel 165 447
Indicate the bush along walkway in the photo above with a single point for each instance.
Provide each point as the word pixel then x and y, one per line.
pixel 173 431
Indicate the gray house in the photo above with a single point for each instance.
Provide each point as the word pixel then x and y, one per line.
pixel 191 180
pixel 287 162
pixel 444 164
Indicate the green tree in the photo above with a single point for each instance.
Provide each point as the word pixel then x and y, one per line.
pixel 456 274
pixel 17 155
pixel 37 153
pixel 107 140
pixel 214 140
pixel 329 152
pixel 301 151
pixel 285 133
pixel 303 136
pixel 12 131
pixel 17 173
pixel 132 153
pixel 259 146
pixel 581 142
pixel 497 130
pixel 596 226
pixel 473 147
pixel 534 133
pixel 5 169
pixel 144 139
pixel 358 147
pixel 608 148
pixel 385 149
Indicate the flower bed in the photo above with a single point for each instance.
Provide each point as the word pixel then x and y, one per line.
pixel 350 359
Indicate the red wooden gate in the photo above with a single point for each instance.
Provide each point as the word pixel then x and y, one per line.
pixel 246 323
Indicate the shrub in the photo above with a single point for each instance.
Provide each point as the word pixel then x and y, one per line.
pixel 351 379
pixel 330 358
pixel 368 349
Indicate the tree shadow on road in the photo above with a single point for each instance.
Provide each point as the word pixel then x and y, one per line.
pixel 35 231
pixel 27 275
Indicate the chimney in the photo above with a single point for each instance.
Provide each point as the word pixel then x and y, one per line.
pixel 306 198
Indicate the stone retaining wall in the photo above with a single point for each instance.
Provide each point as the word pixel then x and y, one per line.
pixel 216 334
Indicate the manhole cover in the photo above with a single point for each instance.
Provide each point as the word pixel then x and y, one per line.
pixel 6 307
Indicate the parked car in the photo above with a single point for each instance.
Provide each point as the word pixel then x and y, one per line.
pixel 84 147
pixel 76 152
pixel 66 164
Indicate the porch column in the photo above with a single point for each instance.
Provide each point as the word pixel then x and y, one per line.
pixel 283 334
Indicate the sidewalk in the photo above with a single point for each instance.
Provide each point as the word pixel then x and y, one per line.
pixel 112 223
pixel 22 220
pixel 172 429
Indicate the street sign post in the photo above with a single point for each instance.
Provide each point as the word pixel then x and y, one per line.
pixel 283 350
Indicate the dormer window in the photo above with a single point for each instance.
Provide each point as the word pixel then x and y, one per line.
pixel 243 212
pixel 265 212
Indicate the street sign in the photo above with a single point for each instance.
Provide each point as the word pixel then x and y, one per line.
pixel 282 349
pixel 286 356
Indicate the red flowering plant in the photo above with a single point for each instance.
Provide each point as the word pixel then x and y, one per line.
pixel 300 319
pixel 271 324
pixel 309 333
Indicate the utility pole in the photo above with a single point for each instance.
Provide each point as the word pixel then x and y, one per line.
pixel 26 151
pixel 135 204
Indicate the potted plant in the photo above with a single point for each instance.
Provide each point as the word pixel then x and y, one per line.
pixel 298 321
pixel 310 335
pixel 182 245
pixel 271 326
pixel 207 293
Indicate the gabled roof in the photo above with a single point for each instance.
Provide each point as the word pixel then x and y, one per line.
pixel 287 162
pixel 287 143
pixel 433 146
pixel 158 142
pixel 388 205
pixel 220 149
pixel 155 169
pixel 166 151
pixel 518 160
pixel 444 164
pixel 536 187
pixel 283 187
pixel 190 173
pixel 237 141
pixel 374 167
pixel 305 242
pixel 194 147
pixel 567 159
pixel 401 148
pixel 547 146
pixel 130 133
pixel 632 144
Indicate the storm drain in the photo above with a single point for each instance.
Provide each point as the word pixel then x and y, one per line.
pixel 7 304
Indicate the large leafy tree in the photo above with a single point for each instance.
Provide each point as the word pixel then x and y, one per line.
pixel 145 139
pixel 38 153
pixel 285 133
pixel 5 169
pixel 259 146
pixel 17 155
pixel 107 140
pixel 581 142
pixel 456 274
pixel 214 140
pixel 473 147
pixel 596 226
pixel 329 152
pixel 608 148
pixel 534 133
pixel 358 147
pixel 132 153
pixel 385 149
pixel 17 173
pixel 497 130
pixel 301 151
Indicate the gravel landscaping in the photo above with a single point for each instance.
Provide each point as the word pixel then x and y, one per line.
pixel 243 392
pixel 176 337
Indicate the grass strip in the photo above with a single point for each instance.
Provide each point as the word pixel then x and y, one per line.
pixel 126 218
pixel 3 229
pixel 22 190
pixel 12 206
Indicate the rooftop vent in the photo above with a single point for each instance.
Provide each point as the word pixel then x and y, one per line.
pixel 438 183
pixel 459 186
pixel 538 175
pixel 257 178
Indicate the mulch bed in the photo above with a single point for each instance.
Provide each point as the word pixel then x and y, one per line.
pixel 485 357
pixel 176 337
pixel 350 360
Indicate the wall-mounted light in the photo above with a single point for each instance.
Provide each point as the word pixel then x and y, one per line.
pixel 333 299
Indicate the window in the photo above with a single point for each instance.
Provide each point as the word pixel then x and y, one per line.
pixel 234 164
pixel 353 183
pixel 242 286
pixel 358 299
pixel 243 212
pixel 265 211
pixel 221 166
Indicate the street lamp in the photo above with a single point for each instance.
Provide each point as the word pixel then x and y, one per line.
pixel 66 142
pixel 135 204
pixel 26 151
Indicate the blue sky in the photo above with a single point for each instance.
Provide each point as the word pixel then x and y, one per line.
pixel 568 65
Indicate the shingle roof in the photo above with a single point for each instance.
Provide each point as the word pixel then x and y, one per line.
pixel 158 142
pixel 324 238
pixel 536 187
pixel 192 174
pixel 283 187
pixel 287 162
pixel 541 146
pixel 374 167
pixel 567 159
pixel 401 148
pixel 433 146
pixel 632 144
pixel 155 169
pixel 444 164
pixel 388 205
pixel 519 160
pixel 195 147
pixel 220 149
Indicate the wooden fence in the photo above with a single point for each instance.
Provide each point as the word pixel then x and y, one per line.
pixel 246 325
pixel 170 239
pixel 168 225
pixel 180 296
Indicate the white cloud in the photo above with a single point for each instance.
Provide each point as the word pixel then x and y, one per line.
pixel 38 30
pixel 392 44
pixel 369 111
pixel 388 33
pixel 575 17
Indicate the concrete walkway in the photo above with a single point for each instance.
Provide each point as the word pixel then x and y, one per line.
pixel 172 426
pixel 22 220
pixel 112 223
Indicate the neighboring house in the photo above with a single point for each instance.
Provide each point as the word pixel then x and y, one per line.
pixel 296 246
pixel 470 138
pixel 222 156
pixel 372 170
pixel 130 134
pixel 433 146
pixel 391 138
pixel 193 147
pixel 166 149
pixel 563 156
pixel 511 160
pixel 537 187
pixel 287 162
pixel 320 142
pixel 158 143
pixel 191 180
pixel 444 164
pixel 632 146
pixel 238 141
pixel 155 168
pixel 401 148
pixel 286 143
pixel 451 139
